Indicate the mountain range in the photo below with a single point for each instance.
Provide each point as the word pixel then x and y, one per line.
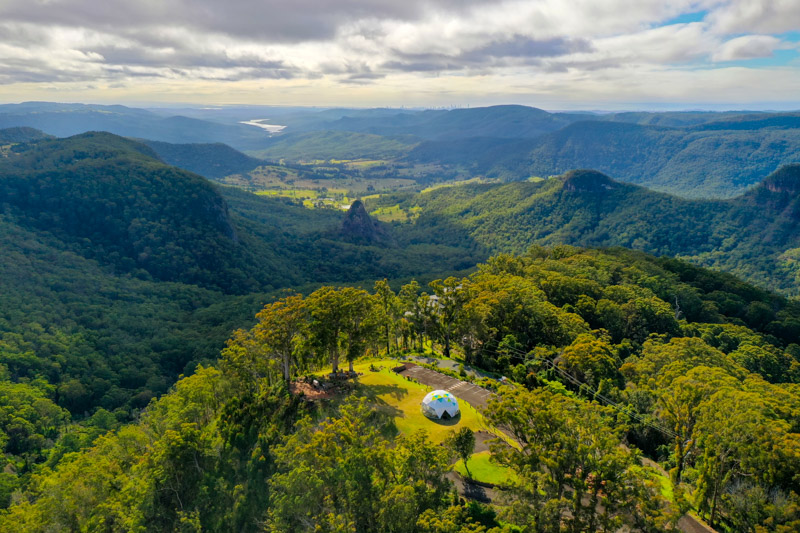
pixel 689 154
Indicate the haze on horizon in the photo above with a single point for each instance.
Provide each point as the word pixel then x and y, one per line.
pixel 554 54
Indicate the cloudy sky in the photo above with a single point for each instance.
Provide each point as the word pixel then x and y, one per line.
pixel 555 54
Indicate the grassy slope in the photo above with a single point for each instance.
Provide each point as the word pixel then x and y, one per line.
pixel 402 398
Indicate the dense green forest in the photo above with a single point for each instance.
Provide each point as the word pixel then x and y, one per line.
pixel 124 408
pixel 605 348
pixel 336 145
pixel 212 161
pixel 112 200
pixel 754 235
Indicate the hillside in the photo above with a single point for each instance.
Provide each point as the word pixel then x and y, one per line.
pixel 21 135
pixel 335 145
pixel 754 235
pixel 705 161
pixel 212 161
pixel 613 356
pixel 113 201
pixel 119 272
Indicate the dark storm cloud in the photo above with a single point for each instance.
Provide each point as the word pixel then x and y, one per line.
pixel 266 20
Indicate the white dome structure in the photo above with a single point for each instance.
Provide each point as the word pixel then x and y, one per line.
pixel 439 403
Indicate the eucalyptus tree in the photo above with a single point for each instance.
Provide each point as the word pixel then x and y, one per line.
pixel 343 322
pixel 281 329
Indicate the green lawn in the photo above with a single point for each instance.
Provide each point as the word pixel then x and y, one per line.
pixel 402 399
pixel 483 469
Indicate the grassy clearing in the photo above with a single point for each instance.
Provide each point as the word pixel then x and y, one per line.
pixel 291 193
pixel 402 398
pixel 483 469
pixel 456 184
pixel 390 214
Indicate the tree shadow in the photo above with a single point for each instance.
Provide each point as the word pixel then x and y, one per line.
pixel 384 413
pixel 476 492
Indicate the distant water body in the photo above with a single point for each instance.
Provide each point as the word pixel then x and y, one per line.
pixel 262 123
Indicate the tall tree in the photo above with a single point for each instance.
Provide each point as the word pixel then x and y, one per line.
pixel 280 329
pixel 389 306
pixel 362 322
pixel 447 304
pixel 328 318
pixel 343 322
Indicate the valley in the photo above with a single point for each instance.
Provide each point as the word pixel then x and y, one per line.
pixel 146 284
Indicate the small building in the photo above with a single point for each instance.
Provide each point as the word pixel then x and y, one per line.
pixel 440 404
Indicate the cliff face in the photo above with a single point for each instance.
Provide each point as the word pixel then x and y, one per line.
pixel 358 225
pixel 779 192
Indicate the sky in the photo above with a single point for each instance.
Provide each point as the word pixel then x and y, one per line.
pixel 553 54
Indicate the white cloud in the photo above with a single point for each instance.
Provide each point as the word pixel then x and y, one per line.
pixel 756 16
pixel 748 47
pixel 391 48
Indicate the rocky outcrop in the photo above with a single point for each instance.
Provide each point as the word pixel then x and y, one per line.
pixel 359 226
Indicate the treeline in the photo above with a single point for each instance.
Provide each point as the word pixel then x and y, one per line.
pixel 606 348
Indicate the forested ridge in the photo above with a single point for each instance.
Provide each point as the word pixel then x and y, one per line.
pixel 695 369
pixel 119 273
pixel 690 154
pixel 754 235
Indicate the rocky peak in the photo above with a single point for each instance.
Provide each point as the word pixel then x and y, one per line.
pixel 357 224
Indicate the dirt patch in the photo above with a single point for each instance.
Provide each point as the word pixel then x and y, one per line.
pixel 310 392
pixel 482 439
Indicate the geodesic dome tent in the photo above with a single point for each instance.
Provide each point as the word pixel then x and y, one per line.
pixel 440 404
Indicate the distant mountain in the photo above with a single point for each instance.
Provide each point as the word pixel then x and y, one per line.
pixel 64 120
pixel 756 235
pixel 754 122
pixel 698 162
pixel 505 121
pixel 212 161
pixel 673 119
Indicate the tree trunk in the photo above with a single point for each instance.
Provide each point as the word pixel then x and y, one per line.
pixel 679 460
pixel 286 369
pixel 714 503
